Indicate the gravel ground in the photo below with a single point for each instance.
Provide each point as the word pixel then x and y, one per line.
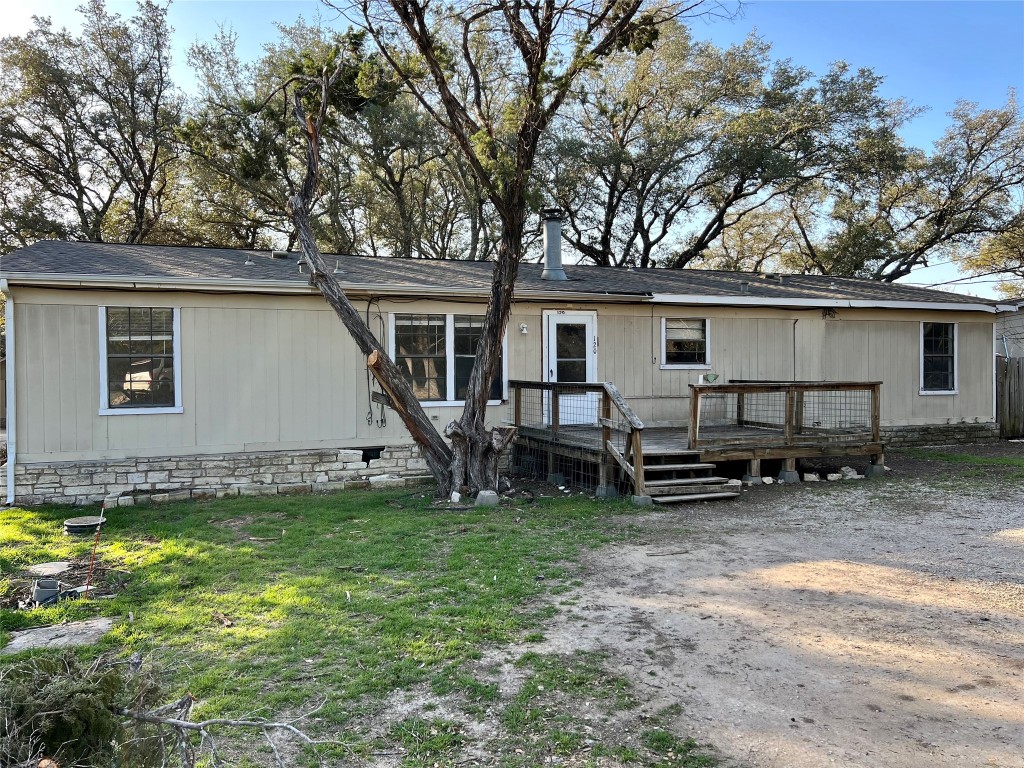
pixel 862 623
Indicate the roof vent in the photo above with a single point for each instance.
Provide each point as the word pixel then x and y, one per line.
pixel 248 260
pixel 280 254
pixel 744 286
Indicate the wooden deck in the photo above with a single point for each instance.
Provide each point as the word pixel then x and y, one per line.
pixel 749 421
pixel 719 444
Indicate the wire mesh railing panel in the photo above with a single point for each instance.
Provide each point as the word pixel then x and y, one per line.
pixel 772 414
pixel 839 413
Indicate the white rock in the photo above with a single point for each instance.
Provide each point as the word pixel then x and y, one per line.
pixel 833 476
pixel 767 480
pixel 848 472
pixel 811 477
pixel 487 499
pixel 456 497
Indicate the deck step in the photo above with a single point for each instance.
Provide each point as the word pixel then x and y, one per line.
pixel 695 497
pixel 709 480
pixel 674 467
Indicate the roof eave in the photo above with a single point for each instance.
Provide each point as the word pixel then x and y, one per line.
pixel 241 285
pixel 780 301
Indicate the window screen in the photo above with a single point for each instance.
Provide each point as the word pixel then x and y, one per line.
pixel 938 348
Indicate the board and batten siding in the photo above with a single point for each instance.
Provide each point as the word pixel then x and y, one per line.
pixel 257 374
pixel 265 373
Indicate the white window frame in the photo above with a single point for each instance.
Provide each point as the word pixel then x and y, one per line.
pixel 705 366
pixel 956 361
pixel 449 354
pixel 105 409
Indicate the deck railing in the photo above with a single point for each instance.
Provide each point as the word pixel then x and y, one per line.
pixel 773 413
pixel 580 413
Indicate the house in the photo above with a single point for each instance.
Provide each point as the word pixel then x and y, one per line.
pixel 1010 330
pixel 139 370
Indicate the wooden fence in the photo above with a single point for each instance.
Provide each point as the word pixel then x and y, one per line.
pixel 1010 396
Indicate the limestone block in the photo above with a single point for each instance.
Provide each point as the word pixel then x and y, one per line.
pixel 204 494
pixel 295 489
pixel 487 499
pixel 329 487
pixel 387 481
pixel 223 493
pixel 180 495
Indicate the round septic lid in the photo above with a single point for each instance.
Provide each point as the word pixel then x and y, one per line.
pixel 86 524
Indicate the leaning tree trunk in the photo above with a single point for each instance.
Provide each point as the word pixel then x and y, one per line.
pixel 436 452
pixel 471 463
pixel 477 450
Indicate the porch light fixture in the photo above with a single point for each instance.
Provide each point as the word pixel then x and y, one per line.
pixel 523 329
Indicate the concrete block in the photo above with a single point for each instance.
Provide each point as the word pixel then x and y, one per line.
pixel 487 499
pixel 874 470
pixel 789 476
pixel 606 492
pixel 643 501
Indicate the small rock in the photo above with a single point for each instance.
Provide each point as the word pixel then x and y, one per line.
pixel 848 472
pixel 767 480
pixel 811 477
pixel 61 636
pixel 487 499
pixel 49 569
pixel 456 497
pixel 833 476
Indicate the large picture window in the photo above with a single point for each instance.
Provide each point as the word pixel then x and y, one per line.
pixel 139 360
pixel 938 358
pixel 435 354
pixel 684 343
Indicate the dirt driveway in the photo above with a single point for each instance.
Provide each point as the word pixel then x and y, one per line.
pixel 868 623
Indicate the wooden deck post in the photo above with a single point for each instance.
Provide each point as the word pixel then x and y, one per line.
pixel 753 475
pixel 517 405
pixel 741 408
pixel 694 434
pixel 639 487
pixel 876 413
pixel 790 418
pixel 605 489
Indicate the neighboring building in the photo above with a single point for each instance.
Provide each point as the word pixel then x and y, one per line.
pixel 1010 330
pixel 146 369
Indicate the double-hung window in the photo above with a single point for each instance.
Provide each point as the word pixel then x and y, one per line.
pixel 140 360
pixel 435 354
pixel 938 358
pixel 684 343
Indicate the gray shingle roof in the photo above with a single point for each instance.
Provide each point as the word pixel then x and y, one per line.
pixel 111 260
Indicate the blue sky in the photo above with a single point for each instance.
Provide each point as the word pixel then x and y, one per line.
pixel 931 53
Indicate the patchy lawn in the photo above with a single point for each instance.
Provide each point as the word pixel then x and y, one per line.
pixel 399 613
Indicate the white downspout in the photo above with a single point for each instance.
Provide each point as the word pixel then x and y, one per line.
pixel 12 409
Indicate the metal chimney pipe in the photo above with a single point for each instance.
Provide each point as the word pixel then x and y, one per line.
pixel 552 244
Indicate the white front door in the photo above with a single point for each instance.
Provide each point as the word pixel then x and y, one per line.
pixel 570 354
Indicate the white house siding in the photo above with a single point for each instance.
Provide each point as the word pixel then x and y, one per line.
pixel 263 373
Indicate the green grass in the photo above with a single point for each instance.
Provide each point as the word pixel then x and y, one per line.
pixel 931 454
pixel 261 605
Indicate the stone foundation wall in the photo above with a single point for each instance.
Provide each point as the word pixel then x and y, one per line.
pixel 939 434
pixel 124 482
